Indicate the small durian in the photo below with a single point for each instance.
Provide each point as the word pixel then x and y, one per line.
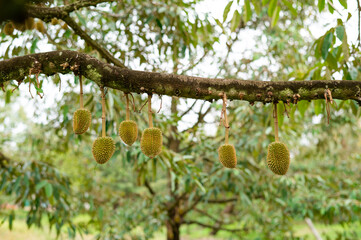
pixel 40 26
pixel 19 26
pixel 103 149
pixel 8 28
pixel 128 132
pixel 227 155
pixel 29 23
pixel 81 120
pixel 278 158
pixel 151 142
pixel 54 21
pixel 64 26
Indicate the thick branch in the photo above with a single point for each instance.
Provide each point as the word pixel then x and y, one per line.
pixel 128 80
pixel 46 14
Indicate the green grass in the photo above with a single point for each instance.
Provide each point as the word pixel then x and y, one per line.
pixel 192 232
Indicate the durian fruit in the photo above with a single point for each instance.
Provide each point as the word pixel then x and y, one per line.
pixel 29 23
pixel 8 28
pixel 151 142
pixel 128 132
pixel 40 27
pixel 54 21
pixel 103 149
pixel 278 158
pixel 227 155
pixel 81 120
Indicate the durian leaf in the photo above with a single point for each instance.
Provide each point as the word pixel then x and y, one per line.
pixel 226 10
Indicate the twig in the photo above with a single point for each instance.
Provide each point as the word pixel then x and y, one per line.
pixel 103 111
pixel 359 22
pixel 127 108
pixel 275 117
pixel 81 91
pixel 141 108
pixel 161 103
pixel 313 229
pixel 150 110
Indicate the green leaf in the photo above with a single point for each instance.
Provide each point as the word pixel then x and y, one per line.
pixel 34 45
pixel 326 45
pixel 11 219
pixel 288 4
pixel 318 106
pixel 235 20
pixel 272 7
pixel 226 10
pixel 343 3
pixel 81 19
pixel 48 190
pixel 330 8
pixel 340 31
pixel 332 62
pixel 275 16
pixel 248 10
pixel 302 107
pixel 40 185
pixel 321 5
pixel 200 186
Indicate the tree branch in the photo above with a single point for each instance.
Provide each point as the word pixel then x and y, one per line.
pixel 46 14
pixel 222 200
pixel 128 80
pixel 215 227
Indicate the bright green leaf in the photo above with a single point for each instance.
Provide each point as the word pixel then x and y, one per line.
pixel 226 10
pixel 275 16
pixel 321 5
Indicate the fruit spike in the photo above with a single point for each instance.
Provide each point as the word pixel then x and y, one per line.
pixel 278 158
pixel 227 155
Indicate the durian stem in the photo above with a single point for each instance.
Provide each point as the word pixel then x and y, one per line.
pixel 150 110
pixel 226 125
pixel 103 111
pixel 81 91
pixel 128 111
pixel 275 117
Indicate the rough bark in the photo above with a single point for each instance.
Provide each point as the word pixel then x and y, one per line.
pixel 127 80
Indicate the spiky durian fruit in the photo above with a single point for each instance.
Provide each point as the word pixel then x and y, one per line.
pixel 128 132
pixel 29 23
pixel 151 142
pixel 81 120
pixel 227 155
pixel 8 28
pixel 278 158
pixel 40 26
pixel 103 149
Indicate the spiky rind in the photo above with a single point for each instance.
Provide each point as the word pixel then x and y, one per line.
pixel 278 158
pixel 29 23
pixel 8 28
pixel 151 142
pixel 103 149
pixel 81 120
pixel 128 132
pixel 227 155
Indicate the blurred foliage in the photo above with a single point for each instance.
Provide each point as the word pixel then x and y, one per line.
pixel 50 172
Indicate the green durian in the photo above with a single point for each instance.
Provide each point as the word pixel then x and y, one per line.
pixel 278 158
pixel 8 28
pixel 81 120
pixel 103 149
pixel 151 142
pixel 227 155
pixel 128 132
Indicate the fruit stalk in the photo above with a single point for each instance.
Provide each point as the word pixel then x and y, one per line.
pixel 103 111
pixel 225 117
pixel 81 91
pixel 275 117
pixel 150 110
pixel 128 111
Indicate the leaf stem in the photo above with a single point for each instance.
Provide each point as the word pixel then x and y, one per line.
pixel 103 111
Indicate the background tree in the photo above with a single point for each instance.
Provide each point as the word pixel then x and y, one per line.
pixel 49 171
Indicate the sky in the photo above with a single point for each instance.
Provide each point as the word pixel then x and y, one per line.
pixel 214 8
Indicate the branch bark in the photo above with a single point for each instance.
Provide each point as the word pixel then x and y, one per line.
pixel 214 227
pixel 127 80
